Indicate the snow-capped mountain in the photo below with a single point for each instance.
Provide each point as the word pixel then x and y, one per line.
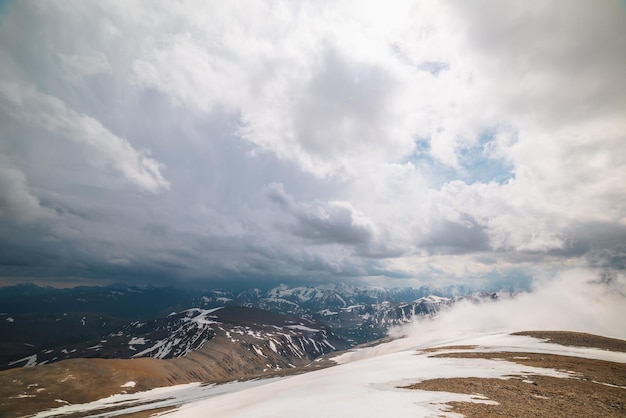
pixel 277 341
pixel 359 314
pixel 42 325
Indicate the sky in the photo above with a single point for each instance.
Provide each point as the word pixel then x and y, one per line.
pixel 418 142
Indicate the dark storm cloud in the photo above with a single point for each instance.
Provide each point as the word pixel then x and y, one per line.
pixel 323 222
pixel 603 244
pixel 456 238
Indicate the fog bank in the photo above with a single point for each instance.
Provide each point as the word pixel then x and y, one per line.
pixel 577 300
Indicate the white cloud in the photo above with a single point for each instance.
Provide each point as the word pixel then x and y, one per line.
pixel 550 74
pixel 310 92
pixel 575 300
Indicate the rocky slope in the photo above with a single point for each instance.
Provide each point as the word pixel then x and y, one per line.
pixel 279 340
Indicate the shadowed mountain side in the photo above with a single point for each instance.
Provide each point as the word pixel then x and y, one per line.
pixel 265 334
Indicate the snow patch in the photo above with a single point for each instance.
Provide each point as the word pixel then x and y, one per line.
pixel 166 397
pixel 30 361
pixel 327 312
pixel 302 328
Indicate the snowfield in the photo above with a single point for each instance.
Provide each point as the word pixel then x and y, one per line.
pixel 367 382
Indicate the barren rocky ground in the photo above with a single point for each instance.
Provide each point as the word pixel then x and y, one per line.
pixel 578 339
pixel 596 388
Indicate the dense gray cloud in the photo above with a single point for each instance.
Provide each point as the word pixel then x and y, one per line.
pixel 332 222
pixel 455 238
pixel 415 142
pixel 33 108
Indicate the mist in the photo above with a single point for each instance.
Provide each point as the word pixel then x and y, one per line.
pixel 580 300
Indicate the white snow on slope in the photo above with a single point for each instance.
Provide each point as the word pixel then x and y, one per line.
pixel 155 398
pixel 30 361
pixel 302 328
pixel 137 340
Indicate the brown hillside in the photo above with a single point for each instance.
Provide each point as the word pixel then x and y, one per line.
pixel 597 388
pixel 29 390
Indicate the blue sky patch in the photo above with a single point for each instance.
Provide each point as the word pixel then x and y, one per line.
pixel 476 165
pixel 433 67
pixel 480 167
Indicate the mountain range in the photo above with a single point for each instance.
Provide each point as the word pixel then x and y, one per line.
pixel 42 325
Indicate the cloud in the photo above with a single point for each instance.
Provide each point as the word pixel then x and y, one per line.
pixel 557 81
pixel 423 141
pixel 456 237
pixel 16 201
pixel 324 222
pixel 312 99
pixel 31 107
pixel 78 66
pixel 576 300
